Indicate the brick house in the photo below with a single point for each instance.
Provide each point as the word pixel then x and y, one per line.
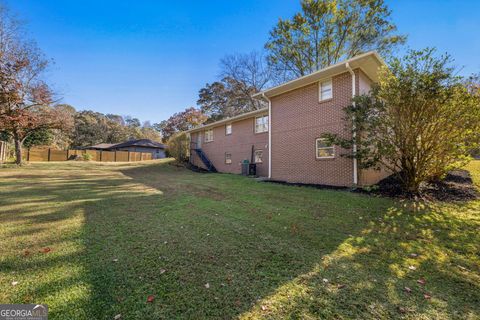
pixel 284 139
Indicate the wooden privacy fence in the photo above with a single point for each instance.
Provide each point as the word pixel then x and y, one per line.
pixel 95 155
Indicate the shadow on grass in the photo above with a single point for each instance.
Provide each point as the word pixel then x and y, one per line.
pixel 264 250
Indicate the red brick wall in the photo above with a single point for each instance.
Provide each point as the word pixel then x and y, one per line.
pixel 298 119
pixel 238 144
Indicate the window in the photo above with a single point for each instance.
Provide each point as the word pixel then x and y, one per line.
pixel 324 150
pixel 258 156
pixel 261 124
pixel 209 135
pixel 325 90
pixel 228 129
pixel 228 158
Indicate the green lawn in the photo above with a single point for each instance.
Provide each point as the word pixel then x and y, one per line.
pixel 121 232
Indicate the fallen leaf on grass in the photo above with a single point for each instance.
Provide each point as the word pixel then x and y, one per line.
pixel 407 289
pixel 413 255
pixel 117 317
pixel 325 280
pixel 427 296
pixel 264 308
pixel 401 309
pixel 26 253
pixel 340 286
pixel 421 281
pixel 162 271
pixel 150 298
pixel 207 285
pixel 115 260
pixel 412 268
pixel 45 250
pixel 14 283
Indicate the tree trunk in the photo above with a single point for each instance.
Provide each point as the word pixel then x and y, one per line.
pixel 18 149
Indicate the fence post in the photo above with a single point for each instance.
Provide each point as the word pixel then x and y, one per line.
pixel 48 154
pixel 68 154
pixel 141 156
pixel 115 156
pixel 128 156
pixel 100 155
pixel 28 154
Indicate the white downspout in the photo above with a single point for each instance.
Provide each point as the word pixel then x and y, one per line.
pixel 269 135
pixel 354 147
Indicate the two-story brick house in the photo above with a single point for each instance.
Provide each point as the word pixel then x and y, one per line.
pixel 285 138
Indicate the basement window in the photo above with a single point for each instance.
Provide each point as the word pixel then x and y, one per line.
pixel 228 158
pixel 325 90
pixel 209 135
pixel 258 156
pixel 324 150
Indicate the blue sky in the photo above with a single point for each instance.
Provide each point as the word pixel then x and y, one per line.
pixel 148 59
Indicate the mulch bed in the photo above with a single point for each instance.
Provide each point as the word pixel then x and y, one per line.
pixel 457 186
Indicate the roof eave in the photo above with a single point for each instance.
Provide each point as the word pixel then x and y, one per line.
pixel 228 120
pixel 371 60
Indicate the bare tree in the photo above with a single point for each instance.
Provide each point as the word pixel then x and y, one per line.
pixel 251 68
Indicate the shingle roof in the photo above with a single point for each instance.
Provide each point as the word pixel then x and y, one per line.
pixel 101 146
pixel 139 143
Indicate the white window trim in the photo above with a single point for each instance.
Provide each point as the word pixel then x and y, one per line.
pixel 205 136
pixel 323 148
pixel 320 89
pixel 255 156
pixel 226 158
pixel 231 129
pixel 255 123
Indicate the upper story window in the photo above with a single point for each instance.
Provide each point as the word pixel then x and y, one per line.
pixel 228 129
pixel 261 124
pixel 325 90
pixel 324 149
pixel 209 135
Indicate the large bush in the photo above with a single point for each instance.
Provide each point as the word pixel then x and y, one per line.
pixel 179 146
pixel 419 121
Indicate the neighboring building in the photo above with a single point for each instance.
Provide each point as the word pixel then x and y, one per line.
pixel 100 146
pixel 142 145
pixel 286 135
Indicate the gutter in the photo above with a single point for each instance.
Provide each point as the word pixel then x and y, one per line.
pixel 354 147
pixel 227 120
pixel 269 135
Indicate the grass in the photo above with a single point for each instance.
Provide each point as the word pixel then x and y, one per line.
pixel 121 232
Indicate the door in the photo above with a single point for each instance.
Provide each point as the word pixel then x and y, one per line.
pixel 199 140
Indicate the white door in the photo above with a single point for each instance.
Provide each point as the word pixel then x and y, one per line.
pixel 199 140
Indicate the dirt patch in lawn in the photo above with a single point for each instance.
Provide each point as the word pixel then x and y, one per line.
pixel 204 192
pixel 457 186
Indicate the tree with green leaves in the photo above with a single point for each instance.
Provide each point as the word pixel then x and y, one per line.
pixel 41 137
pixel 328 31
pixel 179 146
pixel 419 121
